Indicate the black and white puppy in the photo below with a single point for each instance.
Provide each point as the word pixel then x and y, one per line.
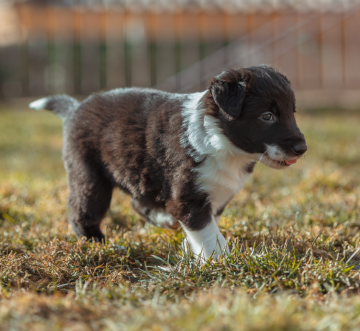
pixel 182 157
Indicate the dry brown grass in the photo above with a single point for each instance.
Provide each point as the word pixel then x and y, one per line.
pixel 294 237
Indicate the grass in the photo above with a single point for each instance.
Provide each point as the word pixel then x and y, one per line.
pixel 294 239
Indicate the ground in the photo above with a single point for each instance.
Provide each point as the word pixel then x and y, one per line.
pixel 294 238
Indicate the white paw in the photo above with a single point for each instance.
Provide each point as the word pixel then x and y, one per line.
pixel 220 249
pixel 207 242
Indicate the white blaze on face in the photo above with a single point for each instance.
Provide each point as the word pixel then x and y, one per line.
pixel 274 157
pixel 275 152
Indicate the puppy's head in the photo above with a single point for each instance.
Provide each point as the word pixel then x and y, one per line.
pixel 255 109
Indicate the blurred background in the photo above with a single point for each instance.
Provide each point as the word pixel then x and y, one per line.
pixel 82 46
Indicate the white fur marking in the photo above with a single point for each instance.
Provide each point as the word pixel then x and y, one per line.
pixel 275 152
pixel 193 124
pixel 163 219
pixel 274 157
pixel 206 241
pixel 38 104
pixel 222 174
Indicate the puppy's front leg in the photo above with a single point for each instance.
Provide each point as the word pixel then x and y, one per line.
pixel 207 240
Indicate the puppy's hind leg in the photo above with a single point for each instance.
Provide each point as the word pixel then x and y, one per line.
pixel 89 198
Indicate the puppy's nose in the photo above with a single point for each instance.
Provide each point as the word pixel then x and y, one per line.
pixel 300 148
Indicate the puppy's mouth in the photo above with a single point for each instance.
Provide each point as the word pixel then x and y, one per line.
pixel 277 164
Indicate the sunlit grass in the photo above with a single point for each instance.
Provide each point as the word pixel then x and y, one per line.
pixel 293 235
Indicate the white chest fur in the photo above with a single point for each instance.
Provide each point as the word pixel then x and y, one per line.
pixel 222 173
pixel 222 178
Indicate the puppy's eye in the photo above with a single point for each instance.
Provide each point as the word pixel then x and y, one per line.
pixel 267 117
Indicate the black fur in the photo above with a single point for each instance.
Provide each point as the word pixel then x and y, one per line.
pixel 229 92
pixel 131 138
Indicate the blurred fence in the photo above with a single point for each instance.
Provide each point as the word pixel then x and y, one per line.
pixel 78 52
pixel 318 51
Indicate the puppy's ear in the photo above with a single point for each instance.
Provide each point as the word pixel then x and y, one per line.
pixel 229 96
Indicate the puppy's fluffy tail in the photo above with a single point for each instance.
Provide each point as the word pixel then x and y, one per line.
pixel 61 105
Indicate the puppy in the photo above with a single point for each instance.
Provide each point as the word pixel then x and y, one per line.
pixel 182 157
